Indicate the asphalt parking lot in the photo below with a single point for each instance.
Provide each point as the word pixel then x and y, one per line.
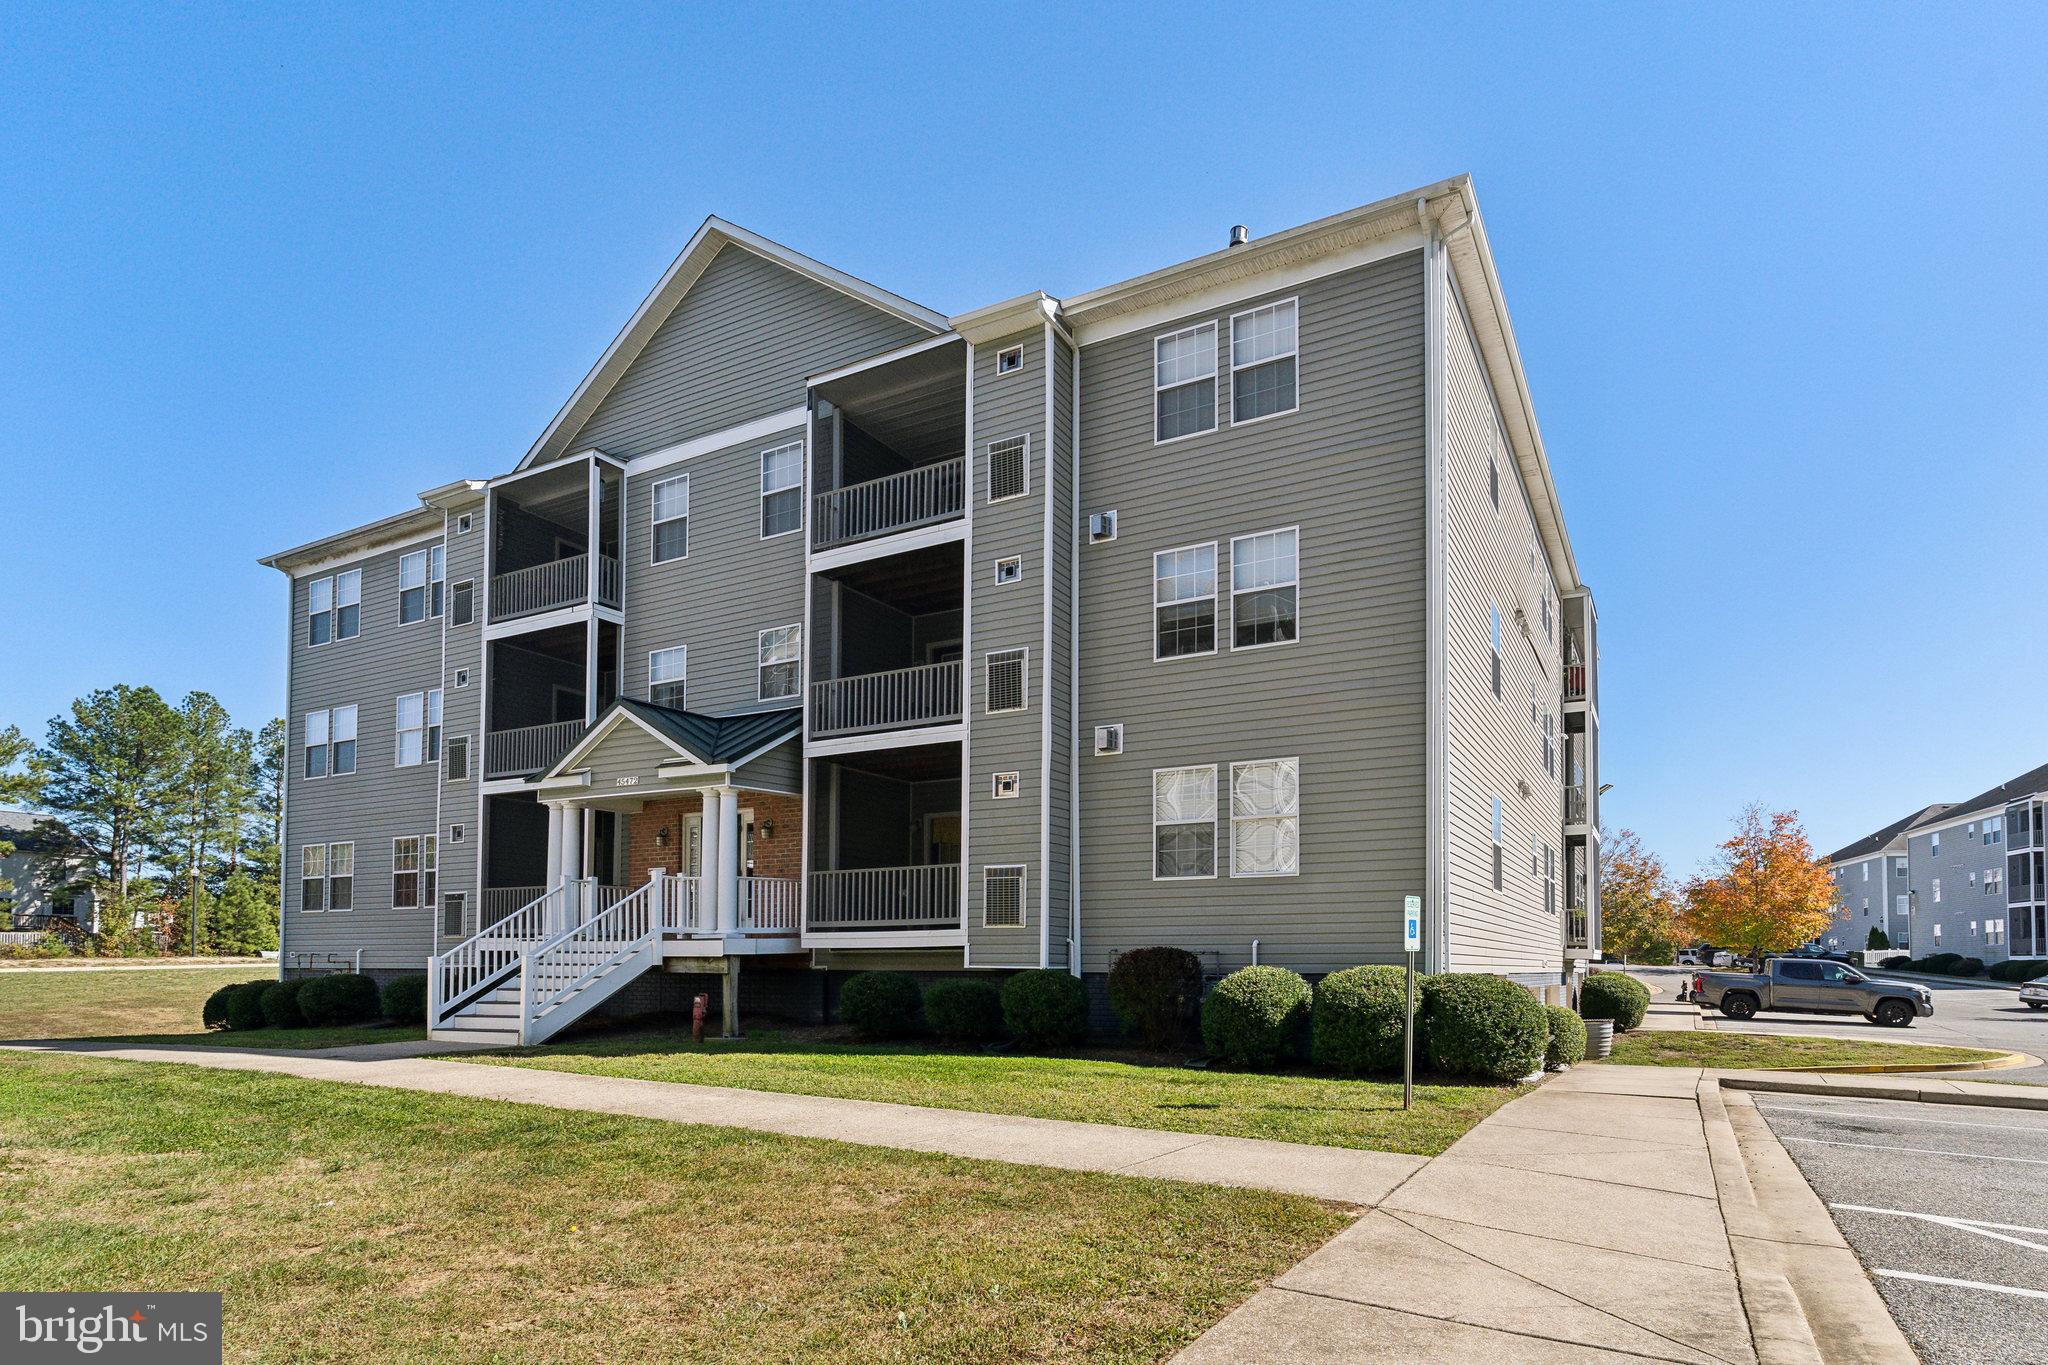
pixel 1946 1205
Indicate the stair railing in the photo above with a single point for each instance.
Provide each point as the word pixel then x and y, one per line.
pixel 555 969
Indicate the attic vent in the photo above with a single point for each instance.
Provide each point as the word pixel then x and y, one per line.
pixel 1240 235
pixel 1109 739
pixel 1002 897
pixel 1008 462
pixel 1005 680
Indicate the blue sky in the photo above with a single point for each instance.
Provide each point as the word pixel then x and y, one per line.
pixel 1774 274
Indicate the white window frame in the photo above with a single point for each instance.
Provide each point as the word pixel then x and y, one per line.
pixel 683 652
pixel 998 782
pixel 348 592
pixel 448 750
pixel 305 876
pixel 330 740
pixel 417 871
pixel 1023 653
pixel 1013 562
pixel 1237 592
pixel 316 589
pixel 462 524
pixel 1499 687
pixel 797 447
pixel 1291 817
pixel 417 563
pixel 1295 354
pixel 793 636
pixel 461 588
pixel 1499 848
pixel 1214 377
pixel 1023 878
pixel 1010 360
pixel 655 522
pixel 402 730
pixel 988 461
pixel 1215 613
pixel 1937 894
pixel 1215 822
pixel 348 876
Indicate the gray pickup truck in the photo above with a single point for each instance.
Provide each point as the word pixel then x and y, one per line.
pixel 1811 986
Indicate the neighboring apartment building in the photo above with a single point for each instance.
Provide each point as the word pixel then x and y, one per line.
pixel 1225 607
pixel 39 879
pixel 1961 877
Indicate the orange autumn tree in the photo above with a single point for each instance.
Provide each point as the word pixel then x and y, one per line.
pixel 1639 918
pixel 1765 891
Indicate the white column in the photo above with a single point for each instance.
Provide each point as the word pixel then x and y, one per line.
pixel 707 861
pixel 728 860
pixel 554 847
pixel 572 845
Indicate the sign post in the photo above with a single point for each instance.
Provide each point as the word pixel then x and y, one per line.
pixel 1411 936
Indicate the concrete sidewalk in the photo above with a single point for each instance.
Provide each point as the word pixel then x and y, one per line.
pixel 1607 1216
pixel 1340 1174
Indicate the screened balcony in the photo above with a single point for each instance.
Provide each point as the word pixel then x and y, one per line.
pixel 888 447
pixel 887 656
pixel 541 553
pixel 885 842
pixel 538 707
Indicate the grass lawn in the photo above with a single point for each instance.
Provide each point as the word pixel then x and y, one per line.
pixel 1325 1110
pixel 143 1006
pixel 347 1223
pixel 1757 1052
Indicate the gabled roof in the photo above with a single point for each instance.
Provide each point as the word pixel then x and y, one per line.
pixel 684 272
pixel 30 832
pixel 2026 784
pixel 714 741
pixel 1876 843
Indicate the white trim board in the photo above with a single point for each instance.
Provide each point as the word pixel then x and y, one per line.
pixel 760 429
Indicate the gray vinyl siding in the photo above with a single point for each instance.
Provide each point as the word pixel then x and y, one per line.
pixel 379 801
pixel 628 751
pixel 1964 906
pixel 1495 751
pixel 1059 660
pixel 1863 898
pixel 778 770
pixel 462 717
pixel 1347 699
pixel 1006 833
pixel 739 346
pixel 717 599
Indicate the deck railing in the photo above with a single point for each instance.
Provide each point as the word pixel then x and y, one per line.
pixel 927 694
pixel 1575 805
pixel 480 961
pixel 894 502
pixel 531 749
pixel 874 898
pixel 558 583
pixel 770 905
pixel 500 901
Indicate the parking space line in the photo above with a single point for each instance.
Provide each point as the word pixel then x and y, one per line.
pixel 1917 1151
pixel 1964 1284
pixel 1995 1231
pixel 2041 1128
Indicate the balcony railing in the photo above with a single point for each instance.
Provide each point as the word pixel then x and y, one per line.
pixel 1575 805
pixel 895 502
pixel 1577 928
pixel 881 898
pixel 531 750
pixel 770 905
pixel 500 901
pixel 558 583
pixel 1574 670
pixel 928 694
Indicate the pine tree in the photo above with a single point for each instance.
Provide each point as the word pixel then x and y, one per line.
pixel 244 919
pixel 110 774
pixel 211 789
pixel 19 782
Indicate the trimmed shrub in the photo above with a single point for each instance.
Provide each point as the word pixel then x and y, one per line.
pixel 280 1001
pixel 1941 962
pixel 2017 970
pixel 1156 992
pixel 882 1005
pixel 214 1013
pixel 1484 1026
pixel 405 999
pixel 1567 1038
pixel 1878 938
pixel 244 1008
pixel 1357 1020
pixel 1256 1016
pixel 964 1011
pixel 1046 1007
pixel 334 1001
pixel 1616 996
pixel 1970 966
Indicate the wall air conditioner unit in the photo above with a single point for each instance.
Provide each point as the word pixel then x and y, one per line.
pixel 1109 739
pixel 1101 526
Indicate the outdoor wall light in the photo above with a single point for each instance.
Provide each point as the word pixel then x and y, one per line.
pixel 661 838
pixel 766 829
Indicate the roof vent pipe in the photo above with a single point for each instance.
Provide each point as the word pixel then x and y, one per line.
pixel 1240 235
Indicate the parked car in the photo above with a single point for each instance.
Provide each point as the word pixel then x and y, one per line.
pixel 1804 986
pixel 1690 957
pixel 2034 994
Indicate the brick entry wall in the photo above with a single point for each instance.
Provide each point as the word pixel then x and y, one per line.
pixel 778 855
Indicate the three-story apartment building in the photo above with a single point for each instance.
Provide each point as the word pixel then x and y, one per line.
pixel 1226 607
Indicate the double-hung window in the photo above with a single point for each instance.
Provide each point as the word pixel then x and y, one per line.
pixel 1262 362
pixel 334 607
pixel 1184 383
pixel 782 495
pixel 779 652
pixel 420 584
pixel 1183 823
pixel 1498 880
pixel 405 873
pixel 1264 587
pixel 1496 651
pixel 327 877
pixel 1265 818
pixel 319 611
pixel 419 728
pixel 313 878
pixel 331 741
pixel 1184 601
pixel 671 530
pixel 668 672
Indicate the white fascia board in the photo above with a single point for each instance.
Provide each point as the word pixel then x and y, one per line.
pixel 885 358
pixel 413 526
pixel 760 429
pixel 881 547
pixel 886 739
pixel 1008 318
pixel 887 938
pixel 575 614
pixel 351 554
pixel 619 715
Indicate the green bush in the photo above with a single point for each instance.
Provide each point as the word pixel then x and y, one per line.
pixel 1941 962
pixel 1970 966
pixel 964 1011
pixel 1567 1038
pixel 1878 938
pixel 280 1000
pixel 882 1005
pixel 1357 1020
pixel 405 999
pixel 214 1013
pixel 1156 992
pixel 2018 970
pixel 1484 1026
pixel 244 1007
pixel 1046 1007
pixel 1616 996
pixel 1256 1016
pixel 341 999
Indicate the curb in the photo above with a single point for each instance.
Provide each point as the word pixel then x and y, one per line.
pixel 2010 1059
pixel 2004 1097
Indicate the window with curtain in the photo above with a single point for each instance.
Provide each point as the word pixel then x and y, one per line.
pixel 1264 583
pixel 1265 818
pixel 1184 822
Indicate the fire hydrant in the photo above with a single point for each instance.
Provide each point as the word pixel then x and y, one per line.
pixel 700 1009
